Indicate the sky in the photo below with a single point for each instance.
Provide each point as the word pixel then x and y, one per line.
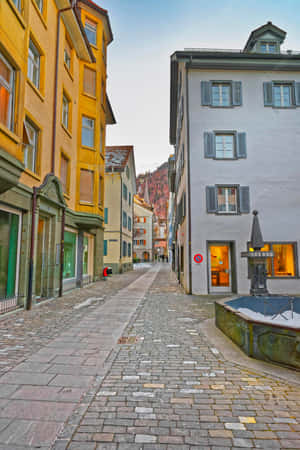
pixel 147 32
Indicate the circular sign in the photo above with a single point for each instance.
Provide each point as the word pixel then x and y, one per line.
pixel 198 258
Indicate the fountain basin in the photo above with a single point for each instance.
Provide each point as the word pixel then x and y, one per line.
pixel 266 328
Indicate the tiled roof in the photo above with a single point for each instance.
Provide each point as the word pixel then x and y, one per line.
pixel 140 201
pixel 116 157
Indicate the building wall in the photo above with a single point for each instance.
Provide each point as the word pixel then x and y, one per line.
pixel 270 170
pixel 140 212
pixel 112 228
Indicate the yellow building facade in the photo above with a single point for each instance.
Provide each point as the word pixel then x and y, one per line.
pixel 120 188
pixel 53 114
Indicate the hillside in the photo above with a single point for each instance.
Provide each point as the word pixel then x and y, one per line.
pixel 158 189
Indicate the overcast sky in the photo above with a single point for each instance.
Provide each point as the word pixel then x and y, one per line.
pixel 147 32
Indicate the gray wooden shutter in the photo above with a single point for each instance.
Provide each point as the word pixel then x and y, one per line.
pixel 211 199
pixel 241 149
pixel 236 93
pixel 244 199
pixel 209 145
pixel 205 93
pixel 268 93
pixel 297 94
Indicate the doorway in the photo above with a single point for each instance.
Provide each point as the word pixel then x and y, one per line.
pixel 220 268
pixel 42 258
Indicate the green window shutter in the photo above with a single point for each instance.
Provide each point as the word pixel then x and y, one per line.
pixel 244 199
pixel 268 93
pixel 205 93
pixel 105 248
pixel 209 145
pixel 237 93
pixel 12 257
pixel 297 94
pixel 105 215
pixel 241 150
pixel 211 199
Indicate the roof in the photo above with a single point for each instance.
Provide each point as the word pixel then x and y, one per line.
pixel 255 34
pixel 109 114
pixel 141 202
pixel 116 157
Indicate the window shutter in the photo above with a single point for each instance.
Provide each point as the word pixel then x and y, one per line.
pixel 237 93
pixel 211 199
pixel 209 145
pixel 105 215
pixel 244 197
pixel 241 150
pixel 297 94
pixel 268 93
pixel 205 93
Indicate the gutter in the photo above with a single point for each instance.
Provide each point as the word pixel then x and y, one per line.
pixel 190 290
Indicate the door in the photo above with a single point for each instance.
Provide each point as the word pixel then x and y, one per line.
pixel 220 279
pixel 42 258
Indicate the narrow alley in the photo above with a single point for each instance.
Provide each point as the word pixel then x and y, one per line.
pixel 127 365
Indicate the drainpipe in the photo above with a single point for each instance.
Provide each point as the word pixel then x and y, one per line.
pixel 30 278
pixel 55 88
pixel 62 242
pixel 188 181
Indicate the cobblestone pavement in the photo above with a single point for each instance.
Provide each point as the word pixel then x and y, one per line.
pixel 172 389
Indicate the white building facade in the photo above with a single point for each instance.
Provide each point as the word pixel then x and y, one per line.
pixel 234 123
pixel 143 230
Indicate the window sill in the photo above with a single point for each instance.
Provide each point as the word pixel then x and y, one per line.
pixel 102 156
pixel 94 46
pixel 283 107
pixel 68 71
pixel 67 196
pixel 228 213
pixel 100 206
pixel 83 203
pixel 36 90
pixel 17 13
pixel 40 14
pixel 85 147
pixel 92 97
pixel 66 130
pixel 32 174
pixel 10 134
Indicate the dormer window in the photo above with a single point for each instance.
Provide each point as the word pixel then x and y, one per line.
pixel 268 47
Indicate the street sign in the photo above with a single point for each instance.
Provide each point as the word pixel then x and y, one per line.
pixel 198 258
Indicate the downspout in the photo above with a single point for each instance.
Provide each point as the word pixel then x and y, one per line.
pixel 62 248
pixel 30 277
pixel 189 182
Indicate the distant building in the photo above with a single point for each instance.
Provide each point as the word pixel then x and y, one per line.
pixel 171 210
pixel 120 188
pixel 234 123
pixel 143 242
pixel 160 239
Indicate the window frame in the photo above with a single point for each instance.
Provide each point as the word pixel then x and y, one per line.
pixel 234 144
pixel 88 128
pixel 221 83
pixel 64 156
pixel 28 122
pixel 267 44
pixel 296 265
pixel 87 202
pixel 88 24
pixel 224 186
pixel 282 84
pixel 68 102
pixel 41 9
pixel 31 64
pixel 11 88
pixel 87 68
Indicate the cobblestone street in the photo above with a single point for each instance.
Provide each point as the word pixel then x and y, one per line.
pixel 70 382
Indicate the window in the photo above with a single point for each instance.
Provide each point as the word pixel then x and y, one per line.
pixel 145 219
pixel 100 197
pixel 124 219
pixel 86 186
pixel 124 191
pixel 228 199
pixel 69 254
pixel 124 248
pixel 31 139
pixel 65 111
pixel 129 223
pixel 101 139
pixel 224 146
pixel 105 248
pixel 268 47
pixel 102 93
pixel 129 198
pixel 85 256
pixel 7 93
pixel 39 4
pixel 9 239
pixel 90 28
pixel 67 54
pixel 87 131
pixel 283 263
pixel 221 94
pixel 33 70
pixel 17 4
pixel 129 249
pixel 282 95
pixel 64 173
pixel 104 48
pixel 89 81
